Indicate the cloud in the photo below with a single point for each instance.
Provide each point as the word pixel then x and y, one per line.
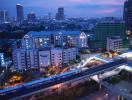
pixel 106 11
pixel 72 7
pixel 97 2
pixel 79 1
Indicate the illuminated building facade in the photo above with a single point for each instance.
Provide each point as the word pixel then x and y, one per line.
pixel 41 58
pixel 56 57
pixel 83 40
pixel 2 61
pixel 128 19
pixel 55 38
pixel 114 44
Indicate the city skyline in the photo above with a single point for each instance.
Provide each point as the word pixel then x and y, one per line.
pixel 66 50
pixel 81 8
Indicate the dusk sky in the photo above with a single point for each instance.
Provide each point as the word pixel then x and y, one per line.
pixel 73 8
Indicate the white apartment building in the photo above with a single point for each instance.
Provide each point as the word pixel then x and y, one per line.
pixel 44 58
pixel 59 38
pixel 114 44
pixel 34 40
pixel 26 42
pixel 19 59
pixel 24 59
pixel 56 57
pixel 69 54
pixel 83 40
pixel 32 58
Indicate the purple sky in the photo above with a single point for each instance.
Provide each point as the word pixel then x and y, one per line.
pixel 73 8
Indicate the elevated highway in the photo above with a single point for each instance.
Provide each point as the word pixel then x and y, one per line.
pixel 40 85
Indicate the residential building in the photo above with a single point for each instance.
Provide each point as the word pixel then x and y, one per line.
pixel 19 59
pixel 59 39
pixel 69 54
pixel 24 59
pixel 32 59
pixel 36 40
pixel 63 56
pixel 83 40
pixel 44 58
pixel 55 38
pixel 114 44
pixel 56 57
pixel 26 42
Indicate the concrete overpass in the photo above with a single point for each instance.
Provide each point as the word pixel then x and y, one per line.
pixel 64 81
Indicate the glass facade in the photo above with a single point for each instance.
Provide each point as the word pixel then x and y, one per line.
pixel 104 30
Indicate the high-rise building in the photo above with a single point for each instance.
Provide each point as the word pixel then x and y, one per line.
pixel 44 58
pixel 128 14
pixel 41 58
pixel 56 57
pixel 54 38
pixel 31 17
pixel 60 15
pixel 128 18
pixel 104 30
pixel 69 54
pixel 25 59
pixel 20 14
pixel 3 16
pixel 83 40
pixel 19 59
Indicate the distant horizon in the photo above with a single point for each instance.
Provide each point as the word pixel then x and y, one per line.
pixel 73 8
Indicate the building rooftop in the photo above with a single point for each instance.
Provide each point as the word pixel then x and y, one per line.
pixel 56 49
pixel 46 33
pixel 19 4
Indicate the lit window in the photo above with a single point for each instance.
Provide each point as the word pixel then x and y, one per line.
pixel 40 40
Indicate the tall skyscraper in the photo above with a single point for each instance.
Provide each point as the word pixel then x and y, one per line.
pixel 60 15
pixel 128 15
pixel 20 14
pixel 128 19
pixel 3 16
